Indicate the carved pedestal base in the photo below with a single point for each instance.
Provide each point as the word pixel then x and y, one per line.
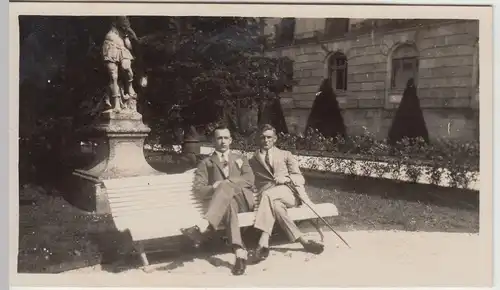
pixel 119 154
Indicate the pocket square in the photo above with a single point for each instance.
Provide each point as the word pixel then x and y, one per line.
pixel 239 162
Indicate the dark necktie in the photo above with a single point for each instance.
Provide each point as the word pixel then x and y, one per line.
pixel 225 164
pixel 224 160
pixel 268 161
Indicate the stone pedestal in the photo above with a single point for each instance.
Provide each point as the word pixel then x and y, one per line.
pixel 120 154
pixel 191 143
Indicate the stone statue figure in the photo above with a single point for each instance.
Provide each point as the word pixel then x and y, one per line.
pixel 117 55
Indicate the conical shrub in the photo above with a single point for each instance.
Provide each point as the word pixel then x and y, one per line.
pixel 325 113
pixel 409 120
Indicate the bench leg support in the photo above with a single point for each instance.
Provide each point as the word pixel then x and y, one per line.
pixel 315 224
pixel 146 267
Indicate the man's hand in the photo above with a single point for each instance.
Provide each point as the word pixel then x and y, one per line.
pixel 281 179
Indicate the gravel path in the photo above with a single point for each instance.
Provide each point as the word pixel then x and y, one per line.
pixel 378 258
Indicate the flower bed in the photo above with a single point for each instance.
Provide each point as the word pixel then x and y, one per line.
pixel 443 162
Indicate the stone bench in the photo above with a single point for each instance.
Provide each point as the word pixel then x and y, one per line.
pixel 154 207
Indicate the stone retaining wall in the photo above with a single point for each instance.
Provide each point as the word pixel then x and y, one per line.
pixel 336 165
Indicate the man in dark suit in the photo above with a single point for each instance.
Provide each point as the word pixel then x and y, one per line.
pixel 280 182
pixel 226 179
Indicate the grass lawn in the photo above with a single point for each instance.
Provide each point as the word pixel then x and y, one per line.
pixel 55 236
pixel 375 204
pixel 52 233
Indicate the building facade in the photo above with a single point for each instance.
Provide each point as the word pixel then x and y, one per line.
pixel 369 62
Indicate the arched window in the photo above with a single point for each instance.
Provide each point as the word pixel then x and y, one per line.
pixel 337 71
pixel 404 66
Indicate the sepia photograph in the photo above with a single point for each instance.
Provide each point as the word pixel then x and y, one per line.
pixel 202 149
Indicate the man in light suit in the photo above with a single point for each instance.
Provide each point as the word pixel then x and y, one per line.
pixel 279 181
pixel 227 180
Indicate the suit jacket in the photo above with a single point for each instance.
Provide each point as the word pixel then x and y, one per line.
pixel 284 165
pixel 210 170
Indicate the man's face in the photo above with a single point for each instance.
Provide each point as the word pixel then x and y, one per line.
pixel 222 140
pixel 267 139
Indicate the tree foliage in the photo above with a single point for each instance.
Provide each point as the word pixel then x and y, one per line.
pixel 199 70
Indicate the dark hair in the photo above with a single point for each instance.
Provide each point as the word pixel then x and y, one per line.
pixel 267 127
pixel 221 127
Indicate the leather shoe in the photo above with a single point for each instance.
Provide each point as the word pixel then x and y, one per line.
pixel 313 247
pixel 259 255
pixel 194 234
pixel 240 266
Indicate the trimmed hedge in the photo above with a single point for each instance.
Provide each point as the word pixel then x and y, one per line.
pixel 409 159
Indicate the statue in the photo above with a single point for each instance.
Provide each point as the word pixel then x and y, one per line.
pixel 117 54
pixel 115 124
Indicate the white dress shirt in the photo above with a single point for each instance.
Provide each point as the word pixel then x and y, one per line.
pixel 270 156
pixel 224 159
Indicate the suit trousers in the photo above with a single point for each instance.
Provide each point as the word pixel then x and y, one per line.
pixel 226 202
pixel 273 207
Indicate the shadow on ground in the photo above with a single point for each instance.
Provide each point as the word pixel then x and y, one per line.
pixel 56 237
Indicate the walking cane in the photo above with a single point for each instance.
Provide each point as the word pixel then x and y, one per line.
pixel 320 217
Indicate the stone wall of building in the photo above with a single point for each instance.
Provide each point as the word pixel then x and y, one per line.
pixel 446 77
